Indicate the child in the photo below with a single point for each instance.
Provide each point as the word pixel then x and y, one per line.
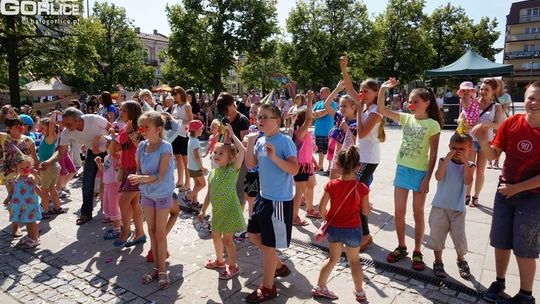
pixel 516 209
pixel 348 198
pixel 415 163
pixel 48 176
pixel 24 206
pixel 270 224
pixel 155 177
pixel 470 107
pixel 227 216
pixel 212 140
pixel 454 174
pixel 195 166
pixel 109 168
pixel 251 183
pixel 304 144
pixel 344 122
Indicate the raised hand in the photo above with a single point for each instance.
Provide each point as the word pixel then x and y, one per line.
pixel 390 83
pixel 343 62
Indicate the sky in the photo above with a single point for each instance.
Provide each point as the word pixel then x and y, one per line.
pixel 150 15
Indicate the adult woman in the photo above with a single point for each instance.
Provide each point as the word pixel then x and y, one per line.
pixel 168 103
pixel 181 111
pixel 491 116
pixel 128 139
pixel 505 100
pixel 108 110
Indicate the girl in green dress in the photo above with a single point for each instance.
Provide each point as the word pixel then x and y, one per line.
pixel 227 217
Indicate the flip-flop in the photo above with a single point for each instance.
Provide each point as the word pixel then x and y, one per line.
pixel 58 211
pixel 138 241
pixel 82 220
pixel 229 273
pixel 300 223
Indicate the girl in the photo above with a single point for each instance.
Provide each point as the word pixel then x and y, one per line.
pixel 251 183
pixel 67 166
pixel 299 106
pixel 470 106
pixel 109 168
pixel 348 198
pixel 344 121
pixel 370 134
pixel 212 140
pixel 24 206
pixel 415 162
pixel 155 177
pixel 304 144
pixel 270 224
pixel 48 175
pixel 227 216
pixel 127 140
pixel 181 111
pixel 195 166
pixel 491 116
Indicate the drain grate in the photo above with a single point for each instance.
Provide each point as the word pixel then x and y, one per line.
pixel 397 270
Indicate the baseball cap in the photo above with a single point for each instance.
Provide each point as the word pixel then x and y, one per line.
pixel 195 125
pixel 27 120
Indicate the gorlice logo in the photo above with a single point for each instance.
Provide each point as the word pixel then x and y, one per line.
pixel 525 146
pixel 37 8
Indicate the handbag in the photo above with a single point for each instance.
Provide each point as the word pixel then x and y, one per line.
pixel 320 234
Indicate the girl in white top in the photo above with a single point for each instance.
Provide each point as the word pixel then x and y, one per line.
pixel 491 116
pixel 181 111
pixel 370 134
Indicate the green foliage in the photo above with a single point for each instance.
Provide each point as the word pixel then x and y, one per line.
pixel 205 36
pixel 260 68
pixel 322 31
pixel 484 35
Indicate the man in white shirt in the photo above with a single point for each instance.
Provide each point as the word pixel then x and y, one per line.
pixel 82 128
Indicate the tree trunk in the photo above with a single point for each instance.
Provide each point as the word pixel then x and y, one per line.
pixel 216 85
pixel 13 63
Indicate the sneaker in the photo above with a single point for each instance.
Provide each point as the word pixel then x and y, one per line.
pixel 282 271
pixel 494 292
pixel 464 270
pixel 438 270
pixel 418 261
pixel 519 298
pixel 262 295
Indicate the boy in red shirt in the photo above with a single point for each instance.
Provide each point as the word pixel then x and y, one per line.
pixel 516 209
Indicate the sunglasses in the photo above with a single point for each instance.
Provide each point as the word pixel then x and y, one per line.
pixel 265 117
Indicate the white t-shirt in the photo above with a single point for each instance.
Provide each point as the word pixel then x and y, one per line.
pixel 193 143
pixel 179 113
pixel 370 145
pixel 94 125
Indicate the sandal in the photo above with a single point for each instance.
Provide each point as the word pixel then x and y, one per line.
pixel 397 255
pixel 16 234
pixel 300 222
pixel 151 276
pixel 467 200
pixel 57 211
pixel 360 296
pixel 464 270
pixel 474 202
pixel 229 273
pixel 30 244
pixel 83 220
pixel 418 261
pixel 164 282
pixel 46 215
pixel 319 292
pixel 313 213
pixel 111 235
pixel 215 264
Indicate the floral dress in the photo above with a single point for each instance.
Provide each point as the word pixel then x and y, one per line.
pixel 9 149
pixel 226 211
pixel 24 205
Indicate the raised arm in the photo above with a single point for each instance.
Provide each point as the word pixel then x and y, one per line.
pixel 330 98
pixel 381 108
pixel 251 160
pixel 301 133
pixel 239 146
pixel 343 62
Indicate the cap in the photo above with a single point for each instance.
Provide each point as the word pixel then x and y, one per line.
pixel 195 125
pixel 27 120
pixel 465 86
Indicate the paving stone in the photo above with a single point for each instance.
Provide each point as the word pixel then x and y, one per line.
pixel 448 292
pixel 106 297
pixel 42 278
pixel 98 282
pixel 138 300
pixel 401 277
pixel 414 282
pixel 49 293
pixel 381 279
pixel 466 297
pixel 64 288
pixel 128 296
pixel 435 295
pixel 117 290
pixel 398 285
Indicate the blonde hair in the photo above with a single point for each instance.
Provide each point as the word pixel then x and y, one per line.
pixel 230 149
pixel 215 122
pixel 154 118
pixel 144 93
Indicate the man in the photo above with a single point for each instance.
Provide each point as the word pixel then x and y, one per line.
pixel 83 128
pixel 323 124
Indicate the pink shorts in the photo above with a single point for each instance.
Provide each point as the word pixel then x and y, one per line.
pixel 159 203
pixel 66 165
pixel 332 143
pixel 111 208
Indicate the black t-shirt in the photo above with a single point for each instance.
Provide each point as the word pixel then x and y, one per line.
pixel 196 108
pixel 239 124
pixel 241 107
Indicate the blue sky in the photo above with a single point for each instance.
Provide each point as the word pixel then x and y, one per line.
pixel 150 15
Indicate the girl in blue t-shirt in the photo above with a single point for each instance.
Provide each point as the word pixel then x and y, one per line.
pixel 155 177
pixel 344 122
pixel 415 163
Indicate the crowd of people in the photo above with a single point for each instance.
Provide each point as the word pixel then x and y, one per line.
pixel 133 148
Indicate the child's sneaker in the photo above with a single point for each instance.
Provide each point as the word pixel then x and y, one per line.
pixel 519 299
pixel 262 294
pixel 464 270
pixel 397 255
pixel 418 261
pixel 438 270
pixel 360 296
pixel 494 292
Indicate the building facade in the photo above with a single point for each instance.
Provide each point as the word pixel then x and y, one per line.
pixel 154 44
pixel 522 44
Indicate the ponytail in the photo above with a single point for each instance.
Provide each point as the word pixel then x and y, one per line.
pixel 432 110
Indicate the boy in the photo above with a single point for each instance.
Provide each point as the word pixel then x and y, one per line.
pixel 447 215
pixel 515 224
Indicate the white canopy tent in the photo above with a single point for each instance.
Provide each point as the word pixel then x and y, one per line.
pixel 51 87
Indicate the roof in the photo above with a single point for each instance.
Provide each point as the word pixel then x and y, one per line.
pixel 513 16
pixel 158 37
pixel 471 64
pixel 50 87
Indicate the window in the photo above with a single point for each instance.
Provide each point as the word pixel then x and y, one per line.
pixel 535 11
pixel 530 48
pixel 527 30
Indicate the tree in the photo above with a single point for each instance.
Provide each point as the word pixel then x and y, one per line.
pixel 404 50
pixel 205 36
pixel 483 36
pixel 322 31
pixel 261 67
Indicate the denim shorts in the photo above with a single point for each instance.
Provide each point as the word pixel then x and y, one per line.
pixel 159 203
pixel 515 224
pixel 408 178
pixel 476 146
pixel 351 237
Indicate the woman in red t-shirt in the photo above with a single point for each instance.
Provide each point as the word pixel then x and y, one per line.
pixel 347 198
